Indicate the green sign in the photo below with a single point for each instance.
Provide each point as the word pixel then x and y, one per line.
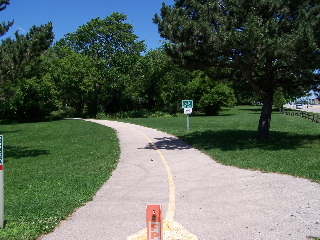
pixel 1 149
pixel 187 103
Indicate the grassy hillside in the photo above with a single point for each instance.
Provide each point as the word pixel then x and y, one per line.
pixel 51 168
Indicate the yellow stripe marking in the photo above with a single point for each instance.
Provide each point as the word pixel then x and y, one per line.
pixel 172 186
pixel 172 229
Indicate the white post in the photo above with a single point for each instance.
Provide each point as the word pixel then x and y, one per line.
pixel 1 183
pixel 187 111
pixel 1 200
pixel 188 123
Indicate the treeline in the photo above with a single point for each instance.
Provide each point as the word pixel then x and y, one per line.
pixel 101 68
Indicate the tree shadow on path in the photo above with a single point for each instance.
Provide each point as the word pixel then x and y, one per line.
pixel 169 143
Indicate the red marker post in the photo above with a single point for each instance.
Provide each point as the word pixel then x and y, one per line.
pixel 154 222
pixel 1 183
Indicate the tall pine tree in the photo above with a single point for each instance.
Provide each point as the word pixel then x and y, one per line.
pixel 18 64
pixel 267 43
pixel 4 27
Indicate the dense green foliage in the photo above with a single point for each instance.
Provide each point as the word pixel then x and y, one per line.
pixel 114 50
pixel 100 69
pixel 268 44
pixel 52 168
pixel 210 95
pixel 73 77
pixel 164 84
pixel 293 147
pixel 279 99
pixel 23 93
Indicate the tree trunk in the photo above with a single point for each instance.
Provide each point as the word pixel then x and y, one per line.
pixel 265 118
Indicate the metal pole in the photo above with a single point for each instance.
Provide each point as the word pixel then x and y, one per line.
pixel 1 183
pixel 188 123
pixel 1 200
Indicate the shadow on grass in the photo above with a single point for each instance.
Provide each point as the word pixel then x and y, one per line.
pixel 209 116
pixel 22 152
pixel 230 140
pixel 251 110
pixel 4 132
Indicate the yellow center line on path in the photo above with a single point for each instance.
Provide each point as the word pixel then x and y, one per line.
pixel 172 186
pixel 172 229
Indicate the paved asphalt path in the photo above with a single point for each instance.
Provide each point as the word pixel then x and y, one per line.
pixel 202 199
pixel 305 108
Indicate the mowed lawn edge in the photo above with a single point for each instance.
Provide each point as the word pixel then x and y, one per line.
pixel 52 168
pixel 230 138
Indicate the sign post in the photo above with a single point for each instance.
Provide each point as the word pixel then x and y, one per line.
pixel 1 183
pixel 187 105
pixel 154 222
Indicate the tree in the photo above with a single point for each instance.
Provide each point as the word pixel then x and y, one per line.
pixel 114 49
pixel 73 75
pixel 210 95
pixel 16 54
pixel 4 27
pixel 268 43
pixel 22 95
pixel 162 84
pixel 106 38
pixel 279 99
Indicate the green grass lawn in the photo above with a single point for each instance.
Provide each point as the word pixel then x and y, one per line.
pixel 51 168
pixel 230 138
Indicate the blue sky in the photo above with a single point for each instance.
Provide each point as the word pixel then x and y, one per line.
pixel 68 15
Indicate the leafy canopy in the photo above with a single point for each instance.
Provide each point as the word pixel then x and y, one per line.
pixel 114 49
pixel 23 95
pixel 267 43
pixel 103 38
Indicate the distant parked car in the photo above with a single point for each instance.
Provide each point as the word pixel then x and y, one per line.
pixel 299 106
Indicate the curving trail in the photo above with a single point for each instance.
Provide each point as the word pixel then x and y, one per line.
pixel 201 198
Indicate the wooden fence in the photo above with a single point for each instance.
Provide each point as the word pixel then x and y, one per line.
pixel 310 116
